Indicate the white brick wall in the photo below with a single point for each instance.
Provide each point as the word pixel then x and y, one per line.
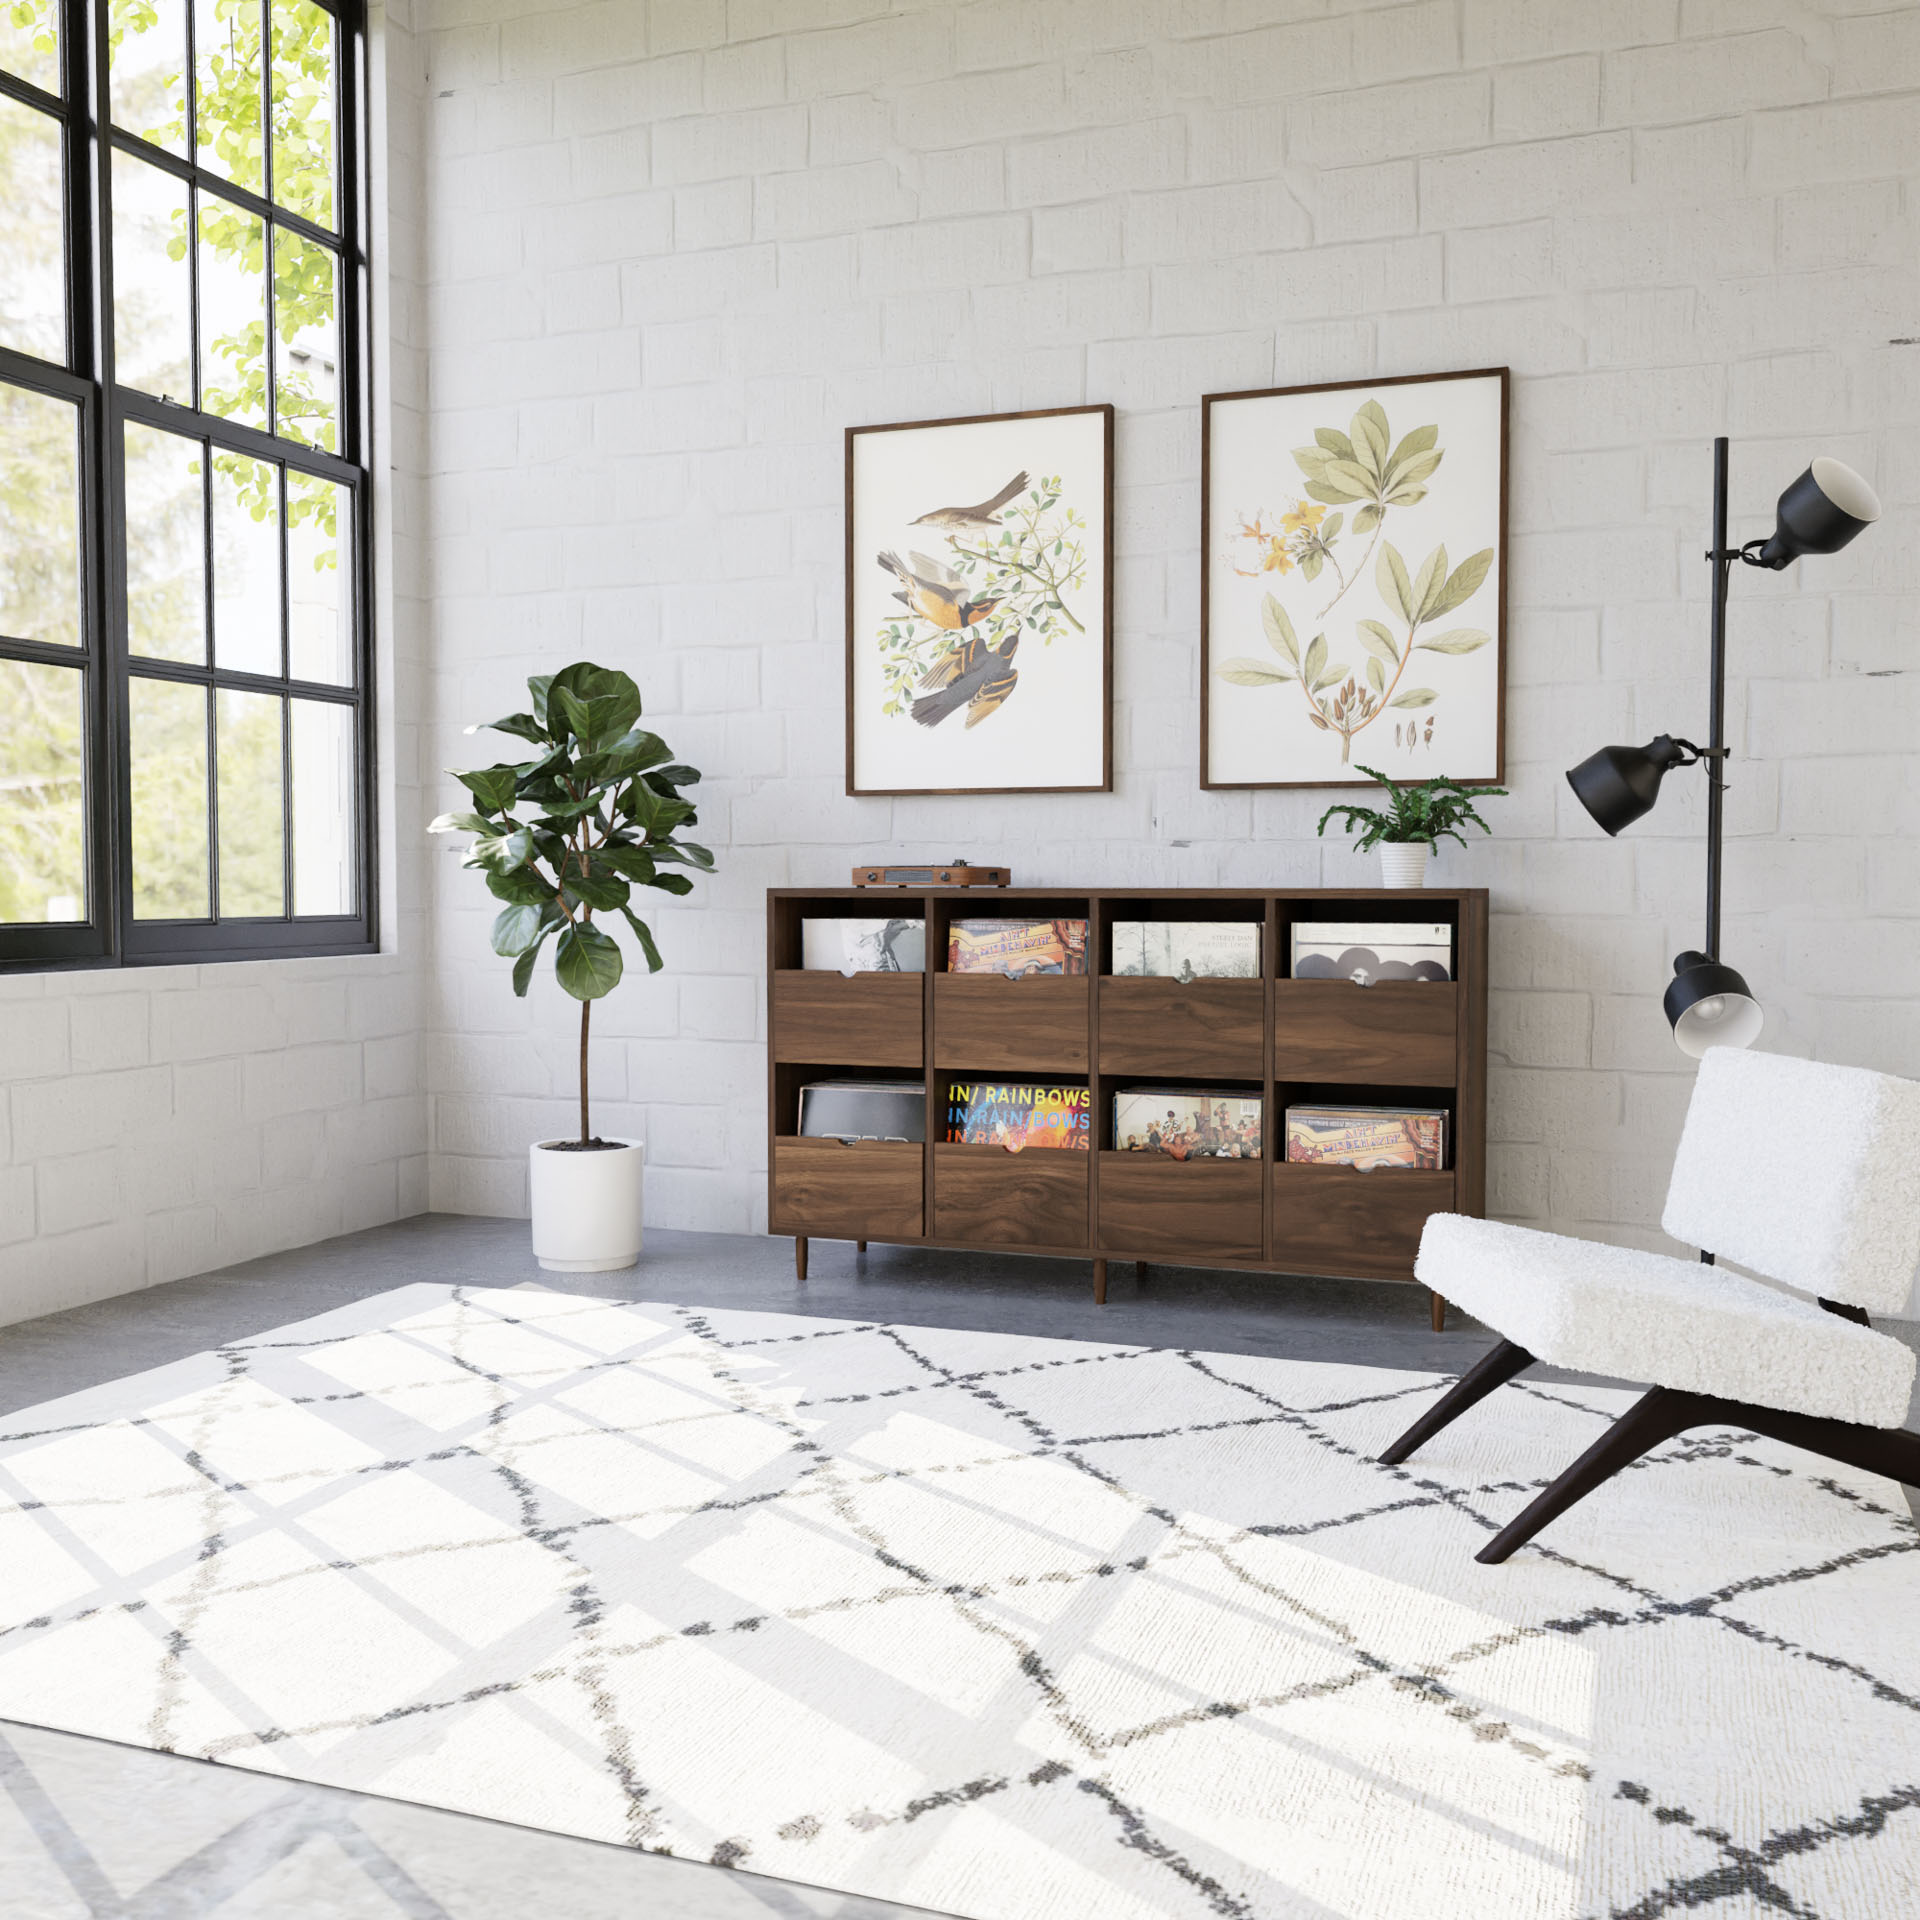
pixel 159 1121
pixel 672 259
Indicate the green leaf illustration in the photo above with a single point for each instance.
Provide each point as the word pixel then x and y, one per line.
pixel 1279 629
pixel 1377 640
pixel 1457 640
pixel 1310 564
pixel 1420 440
pixel 1376 676
pixel 1370 436
pixel 1464 581
pixel 1428 582
pixel 1366 519
pixel 1415 697
pixel 1315 663
pixel 1331 678
pixel 1250 673
pixel 1390 574
pixel 1334 441
pixel 1330 529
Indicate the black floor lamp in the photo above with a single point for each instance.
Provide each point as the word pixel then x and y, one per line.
pixel 1707 1002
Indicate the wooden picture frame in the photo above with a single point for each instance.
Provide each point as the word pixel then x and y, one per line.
pixel 1280 444
pixel 930 637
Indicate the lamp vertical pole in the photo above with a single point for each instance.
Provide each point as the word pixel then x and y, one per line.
pixel 1721 561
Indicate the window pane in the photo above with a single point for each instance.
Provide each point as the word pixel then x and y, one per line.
pixel 30 42
pixel 33 297
pixel 39 518
pixel 168 725
pixel 233 311
pixel 246 564
pixel 226 84
pixel 322 746
pixel 247 746
pixel 148 51
pixel 305 279
pixel 43 859
pixel 302 82
pixel 319 580
pixel 152 281
pixel 166 546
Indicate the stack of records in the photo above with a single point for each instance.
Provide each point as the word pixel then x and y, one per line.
pixel 1188 1123
pixel 863 1110
pixel 863 946
pixel 1187 949
pixel 1368 1136
pixel 1371 951
pixel 984 1113
pixel 1017 946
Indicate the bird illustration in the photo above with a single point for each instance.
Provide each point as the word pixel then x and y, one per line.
pixel 973 676
pixel 935 592
pixel 959 519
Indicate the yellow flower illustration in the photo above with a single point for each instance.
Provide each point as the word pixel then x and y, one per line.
pixel 1306 515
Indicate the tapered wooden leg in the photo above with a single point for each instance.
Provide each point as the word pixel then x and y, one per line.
pixel 800 1257
pixel 1650 1422
pixel 1099 1283
pixel 1490 1371
pixel 1139 1269
pixel 859 1246
pixel 1893 1451
pixel 1439 1312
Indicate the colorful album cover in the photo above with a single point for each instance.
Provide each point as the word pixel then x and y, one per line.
pixel 863 1110
pixel 998 1114
pixel 1187 1123
pixel 1368 953
pixel 1017 946
pixel 1187 949
pixel 863 946
pixel 1368 1136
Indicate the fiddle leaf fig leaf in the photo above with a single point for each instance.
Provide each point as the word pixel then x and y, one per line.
pixel 587 962
pixel 493 787
pixel 644 934
pixel 517 928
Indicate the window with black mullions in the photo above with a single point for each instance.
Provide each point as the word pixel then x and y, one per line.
pixel 184 701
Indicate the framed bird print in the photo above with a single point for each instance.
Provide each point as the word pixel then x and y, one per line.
pixel 979 604
pixel 1353 582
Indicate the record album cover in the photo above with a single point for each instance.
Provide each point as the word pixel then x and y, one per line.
pixel 1187 949
pixel 1017 946
pixel 1369 952
pixel 1187 1123
pixel 983 1113
pixel 1368 1136
pixel 863 1110
pixel 863 946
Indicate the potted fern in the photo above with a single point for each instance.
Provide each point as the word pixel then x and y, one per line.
pixel 1421 813
pixel 562 836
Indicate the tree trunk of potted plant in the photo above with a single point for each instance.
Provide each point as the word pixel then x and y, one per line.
pixel 560 836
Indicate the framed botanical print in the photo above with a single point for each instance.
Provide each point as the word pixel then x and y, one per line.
pixel 1353 581
pixel 980 604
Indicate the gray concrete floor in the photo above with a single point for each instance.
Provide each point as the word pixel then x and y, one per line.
pixel 93 1831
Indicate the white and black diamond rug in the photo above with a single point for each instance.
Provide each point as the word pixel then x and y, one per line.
pixel 1013 1628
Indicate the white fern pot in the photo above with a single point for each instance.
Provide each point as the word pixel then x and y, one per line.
pixel 1403 863
pixel 586 1206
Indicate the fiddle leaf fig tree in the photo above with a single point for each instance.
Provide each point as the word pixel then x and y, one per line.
pixel 595 813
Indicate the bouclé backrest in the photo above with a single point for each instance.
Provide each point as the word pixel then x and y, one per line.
pixel 1805 1172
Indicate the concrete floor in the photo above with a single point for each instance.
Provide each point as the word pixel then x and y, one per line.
pixel 93 1831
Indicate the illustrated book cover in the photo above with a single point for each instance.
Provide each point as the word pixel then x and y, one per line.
pixel 1187 949
pixel 1368 1137
pixel 1369 952
pixel 863 946
pixel 1187 1123
pixel 1017 946
pixel 983 1113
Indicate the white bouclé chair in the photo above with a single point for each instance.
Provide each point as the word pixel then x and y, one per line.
pixel 1809 1174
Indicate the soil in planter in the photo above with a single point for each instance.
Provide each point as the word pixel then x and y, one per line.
pixel 595 1145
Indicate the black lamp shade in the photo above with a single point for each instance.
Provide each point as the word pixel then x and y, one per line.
pixel 1820 513
pixel 1709 1005
pixel 1619 784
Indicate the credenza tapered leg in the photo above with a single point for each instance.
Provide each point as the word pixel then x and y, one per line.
pixel 800 1256
pixel 1139 1269
pixel 859 1246
pixel 1439 1313
pixel 1099 1283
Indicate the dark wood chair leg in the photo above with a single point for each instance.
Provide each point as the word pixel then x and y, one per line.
pixel 1650 1422
pixel 1490 1371
pixel 800 1257
pixel 1893 1451
pixel 1439 1308
pixel 1099 1283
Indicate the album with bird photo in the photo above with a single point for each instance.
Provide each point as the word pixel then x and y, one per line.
pixel 978 600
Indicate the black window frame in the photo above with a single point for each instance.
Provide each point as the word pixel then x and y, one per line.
pixel 112 936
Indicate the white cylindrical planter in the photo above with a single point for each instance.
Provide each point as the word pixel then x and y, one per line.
pixel 586 1206
pixel 1403 863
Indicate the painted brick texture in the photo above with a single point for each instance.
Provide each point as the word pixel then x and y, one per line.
pixel 669 263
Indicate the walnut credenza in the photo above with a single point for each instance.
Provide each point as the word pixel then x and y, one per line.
pixel 1290 1040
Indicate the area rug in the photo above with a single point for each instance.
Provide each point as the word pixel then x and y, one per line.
pixel 1011 1628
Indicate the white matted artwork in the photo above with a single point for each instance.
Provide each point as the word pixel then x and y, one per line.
pixel 979 593
pixel 1353 582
